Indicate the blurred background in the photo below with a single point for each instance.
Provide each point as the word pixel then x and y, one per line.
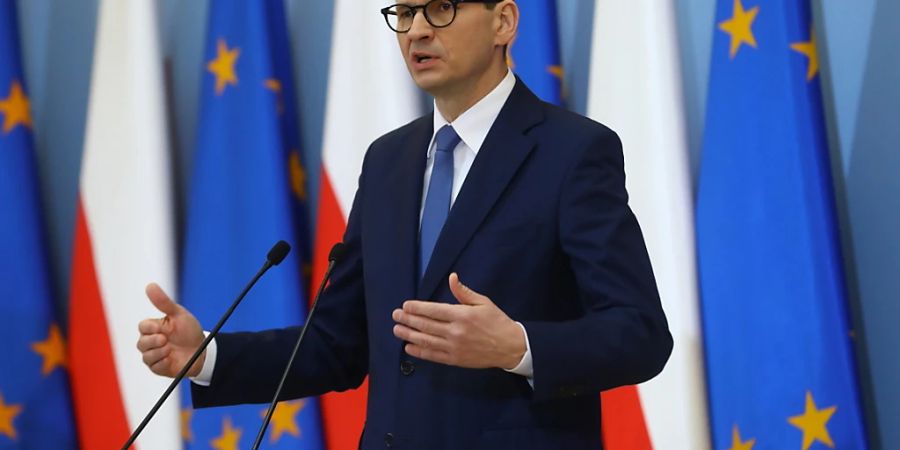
pixel 859 70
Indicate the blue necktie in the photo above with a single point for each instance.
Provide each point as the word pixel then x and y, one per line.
pixel 437 201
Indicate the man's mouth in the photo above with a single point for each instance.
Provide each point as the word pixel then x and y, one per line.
pixel 422 57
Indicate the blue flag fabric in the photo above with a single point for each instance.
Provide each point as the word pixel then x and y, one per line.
pixel 248 191
pixel 776 327
pixel 35 407
pixel 535 52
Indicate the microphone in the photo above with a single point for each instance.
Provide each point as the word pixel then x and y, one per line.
pixel 277 254
pixel 334 256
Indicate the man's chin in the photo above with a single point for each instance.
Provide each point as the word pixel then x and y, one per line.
pixel 428 82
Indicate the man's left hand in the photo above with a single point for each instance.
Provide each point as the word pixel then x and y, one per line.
pixel 474 334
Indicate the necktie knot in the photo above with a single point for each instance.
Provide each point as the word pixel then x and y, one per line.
pixel 446 139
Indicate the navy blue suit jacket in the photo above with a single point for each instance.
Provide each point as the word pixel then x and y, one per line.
pixel 542 227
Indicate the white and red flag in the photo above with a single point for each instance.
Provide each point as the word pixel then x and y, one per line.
pixel 635 89
pixel 123 234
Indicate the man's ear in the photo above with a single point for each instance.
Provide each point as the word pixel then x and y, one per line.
pixel 507 22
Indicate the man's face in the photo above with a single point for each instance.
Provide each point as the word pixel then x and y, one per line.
pixel 450 59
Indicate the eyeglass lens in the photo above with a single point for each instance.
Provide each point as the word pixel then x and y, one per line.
pixel 438 13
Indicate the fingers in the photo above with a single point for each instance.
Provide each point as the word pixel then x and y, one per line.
pixel 437 311
pixel 155 353
pixel 150 342
pixel 421 323
pixel 465 295
pixel 423 346
pixel 150 326
pixel 163 367
pixel 160 300
pixel 152 357
pixel 421 339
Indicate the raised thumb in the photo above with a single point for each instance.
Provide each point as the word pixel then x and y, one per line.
pixel 464 294
pixel 160 300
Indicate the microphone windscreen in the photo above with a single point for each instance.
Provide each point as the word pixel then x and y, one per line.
pixel 337 252
pixel 278 253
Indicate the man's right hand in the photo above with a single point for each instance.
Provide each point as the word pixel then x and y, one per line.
pixel 167 344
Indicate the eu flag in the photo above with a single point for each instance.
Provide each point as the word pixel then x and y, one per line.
pixel 535 52
pixel 248 190
pixel 35 408
pixel 779 350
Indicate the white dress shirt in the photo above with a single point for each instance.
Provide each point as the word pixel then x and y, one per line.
pixel 472 126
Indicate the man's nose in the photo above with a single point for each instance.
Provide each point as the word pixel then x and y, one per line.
pixel 420 28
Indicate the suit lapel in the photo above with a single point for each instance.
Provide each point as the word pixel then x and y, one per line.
pixel 404 188
pixel 504 150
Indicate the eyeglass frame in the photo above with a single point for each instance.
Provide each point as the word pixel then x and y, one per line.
pixel 386 11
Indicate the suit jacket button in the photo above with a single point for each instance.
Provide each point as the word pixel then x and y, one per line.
pixel 407 367
pixel 389 440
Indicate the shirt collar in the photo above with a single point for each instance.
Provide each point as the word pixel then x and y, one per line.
pixel 473 125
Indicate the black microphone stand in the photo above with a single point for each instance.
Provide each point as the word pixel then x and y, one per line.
pixel 334 256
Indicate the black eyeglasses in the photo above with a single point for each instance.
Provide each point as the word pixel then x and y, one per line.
pixel 438 13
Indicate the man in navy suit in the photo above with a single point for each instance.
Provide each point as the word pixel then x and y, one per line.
pixel 525 203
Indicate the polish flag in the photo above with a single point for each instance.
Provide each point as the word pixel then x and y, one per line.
pixel 635 88
pixel 123 234
pixel 370 93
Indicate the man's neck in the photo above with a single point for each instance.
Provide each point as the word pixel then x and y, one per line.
pixel 451 105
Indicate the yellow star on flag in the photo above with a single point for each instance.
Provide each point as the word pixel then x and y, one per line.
pixel 556 71
pixel 223 66
pixel 284 419
pixel 740 27
pixel 813 422
pixel 809 50
pixel 274 85
pixel 229 438
pixel 298 175
pixel 15 108
pixel 53 349
pixel 8 414
pixel 737 443
pixel 186 415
